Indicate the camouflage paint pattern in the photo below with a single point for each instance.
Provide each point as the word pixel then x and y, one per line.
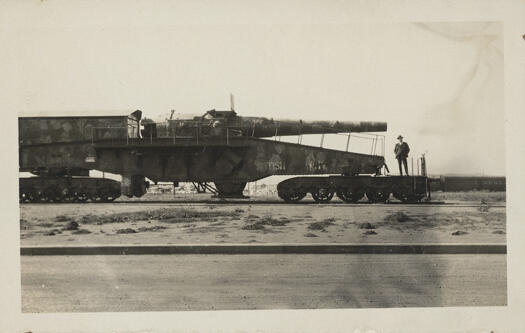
pixel 50 130
pixel 242 159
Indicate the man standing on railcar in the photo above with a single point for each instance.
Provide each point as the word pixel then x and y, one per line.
pixel 401 150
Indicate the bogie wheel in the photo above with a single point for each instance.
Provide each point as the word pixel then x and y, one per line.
pixel 408 198
pixel 32 196
pixel 25 197
pixel 377 195
pixel 322 195
pixel 96 198
pixel 349 195
pixel 37 196
pixel 292 196
pixel 58 196
pixel 44 196
pixel 67 196
pixel 108 197
pixel 51 195
pixel 81 197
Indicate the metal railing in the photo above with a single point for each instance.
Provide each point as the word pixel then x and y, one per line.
pixel 377 146
pixel 222 135
pixel 119 133
pixel 377 141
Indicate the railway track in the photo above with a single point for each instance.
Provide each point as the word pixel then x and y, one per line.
pixel 272 202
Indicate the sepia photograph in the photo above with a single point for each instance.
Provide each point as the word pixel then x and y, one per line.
pixel 301 190
pixel 203 167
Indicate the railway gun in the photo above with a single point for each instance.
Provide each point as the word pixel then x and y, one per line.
pixel 219 147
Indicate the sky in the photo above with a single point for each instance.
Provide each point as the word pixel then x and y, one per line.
pixel 440 85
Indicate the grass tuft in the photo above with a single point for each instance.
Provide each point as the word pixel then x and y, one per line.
pixel 164 215
pixel 321 225
pixel 399 217
pixel 81 232
pixel 366 226
pixel 126 231
pixel 71 226
pixel 62 218
pixel 259 223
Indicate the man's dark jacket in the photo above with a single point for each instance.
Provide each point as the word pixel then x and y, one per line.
pixel 401 150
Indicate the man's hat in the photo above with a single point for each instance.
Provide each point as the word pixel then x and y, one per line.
pixel 400 137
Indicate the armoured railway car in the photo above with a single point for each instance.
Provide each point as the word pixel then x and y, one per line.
pixel 468 183
pixel 219 147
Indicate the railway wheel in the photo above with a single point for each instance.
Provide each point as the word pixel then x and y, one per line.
pixel 45 196
pixel 81 197
pixel 293 195
pixel 408 197
pixel 67 195
pixel 322 194
pixel 96 198
pixel 58 196
pixel 108 197
pixel 377 195
pixel 50 194
pixel 26 197
pixel 350 195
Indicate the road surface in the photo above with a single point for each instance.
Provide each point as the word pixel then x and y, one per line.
pixel 230 282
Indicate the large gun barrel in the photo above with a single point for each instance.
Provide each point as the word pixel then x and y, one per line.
pixel 293 127
pixel 219 122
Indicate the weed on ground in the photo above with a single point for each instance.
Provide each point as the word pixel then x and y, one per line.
pixel 71 226
pixel 310 235
pixel 399 217
pixel 62 218
pixel 126 231
pixel 45 225
pixel 52 232
pixel 163 215
pixel 81 232
pixel 259 223
pixel 24 224
pixel 254 226
pixel 154 228
pixel 321 225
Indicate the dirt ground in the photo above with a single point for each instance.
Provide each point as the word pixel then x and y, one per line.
pixel 234 282
pixel 201 223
